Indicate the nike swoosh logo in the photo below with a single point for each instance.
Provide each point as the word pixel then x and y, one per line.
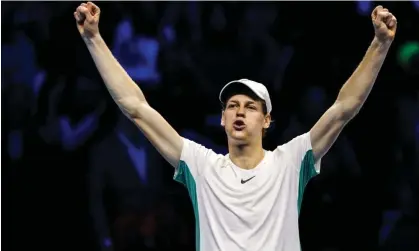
pixel 244 181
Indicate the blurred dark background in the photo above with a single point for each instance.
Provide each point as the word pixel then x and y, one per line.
pixel 77 175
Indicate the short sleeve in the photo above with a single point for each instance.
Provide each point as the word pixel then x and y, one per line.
pixel 194 158
pixel 300 156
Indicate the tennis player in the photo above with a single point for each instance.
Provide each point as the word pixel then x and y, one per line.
pixel 248 199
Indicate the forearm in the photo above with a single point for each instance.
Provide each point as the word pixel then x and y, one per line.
pixel 122 88
pixel 357 88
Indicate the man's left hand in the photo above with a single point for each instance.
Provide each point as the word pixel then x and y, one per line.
pixel 385 24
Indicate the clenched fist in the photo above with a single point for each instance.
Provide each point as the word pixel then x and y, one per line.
pixel 385 24
pixel 87 18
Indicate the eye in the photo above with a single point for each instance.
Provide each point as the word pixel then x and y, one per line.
pixel 231 105
pixel 252 107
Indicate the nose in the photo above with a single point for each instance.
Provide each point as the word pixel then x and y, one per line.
pixel 240 112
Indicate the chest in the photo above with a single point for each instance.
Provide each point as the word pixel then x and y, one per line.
pixel 245 199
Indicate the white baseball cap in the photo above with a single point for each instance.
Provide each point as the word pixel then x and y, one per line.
pixel 257 88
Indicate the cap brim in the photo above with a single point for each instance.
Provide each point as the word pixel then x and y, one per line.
pixel 234 87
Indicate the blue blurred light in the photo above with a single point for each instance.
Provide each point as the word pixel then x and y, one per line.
pixel 364 7
pixel 169 34
pixel 107 242
pixel 213 120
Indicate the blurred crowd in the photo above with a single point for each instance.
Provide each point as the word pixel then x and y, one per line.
pixel 78 175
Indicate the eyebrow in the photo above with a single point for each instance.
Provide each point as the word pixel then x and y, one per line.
pixel 249 102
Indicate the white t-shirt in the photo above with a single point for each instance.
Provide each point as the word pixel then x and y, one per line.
pixel 247 210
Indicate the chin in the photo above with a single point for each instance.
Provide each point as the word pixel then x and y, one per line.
pixel 238 137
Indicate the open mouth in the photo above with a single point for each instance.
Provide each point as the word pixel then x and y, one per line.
pixel 239 125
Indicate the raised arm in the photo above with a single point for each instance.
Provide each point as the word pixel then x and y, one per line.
pixel 124 91
pixel 357 88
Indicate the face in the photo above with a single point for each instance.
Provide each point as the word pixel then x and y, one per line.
pixel 243 119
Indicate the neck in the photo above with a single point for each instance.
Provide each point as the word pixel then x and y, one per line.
pixel 246 156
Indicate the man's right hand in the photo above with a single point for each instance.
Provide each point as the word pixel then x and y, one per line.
pixel 125 92
pixel 87 19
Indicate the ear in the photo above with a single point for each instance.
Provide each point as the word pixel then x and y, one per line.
pixel 222 119
pixel 267 121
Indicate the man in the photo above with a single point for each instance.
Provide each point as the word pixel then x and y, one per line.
pixel 248 199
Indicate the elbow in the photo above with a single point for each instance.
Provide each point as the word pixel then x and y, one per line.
pixel 131 107
pixel 348 109
pixel 349 105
